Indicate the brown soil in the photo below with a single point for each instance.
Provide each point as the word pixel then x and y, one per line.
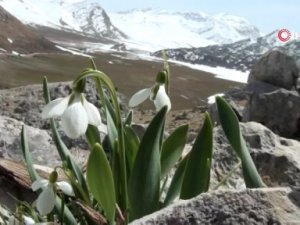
pixel 189 88
pixel 24 39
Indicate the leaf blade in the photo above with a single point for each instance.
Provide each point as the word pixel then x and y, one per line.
pixel 172 149
pixel 144 182
pixel 100 181
pixel 197 171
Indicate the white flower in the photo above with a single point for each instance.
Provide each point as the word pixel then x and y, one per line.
pixel 27 221
pixel 161 99
pixel 76 113
pixel 46 200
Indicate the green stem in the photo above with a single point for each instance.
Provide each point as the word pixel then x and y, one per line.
pixel 62 209
pixel 163 186
pixel 224 180
pixel 121 143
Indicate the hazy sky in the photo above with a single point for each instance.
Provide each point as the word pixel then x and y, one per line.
pixel 267 15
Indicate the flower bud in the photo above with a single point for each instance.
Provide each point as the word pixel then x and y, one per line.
pixel 161 77
pixel 79 86
pixel 53 177
pixel 154 92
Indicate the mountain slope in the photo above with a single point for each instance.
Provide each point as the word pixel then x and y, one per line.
pixel 158 29
pixel 85 16
pixel 241 55
pixel 16 37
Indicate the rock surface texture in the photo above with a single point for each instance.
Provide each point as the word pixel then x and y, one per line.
pixel 271 96
pixel 277 159
pixel 275 68
pixel 255 207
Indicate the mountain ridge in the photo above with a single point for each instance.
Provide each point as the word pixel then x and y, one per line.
pixel 241 55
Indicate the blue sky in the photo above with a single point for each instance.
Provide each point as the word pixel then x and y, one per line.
pixel 267 15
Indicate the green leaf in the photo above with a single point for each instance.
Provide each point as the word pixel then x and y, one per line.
pixel 111 131
pixel 69 218
pixel 144 182
pixel 62 149
pixel 231 127
pixel 172 149
pixel 128 120
pixel 176 183
pixel 132 143
pixel 197 171
pixel 27 156
pixel 101 183
pixel 92 135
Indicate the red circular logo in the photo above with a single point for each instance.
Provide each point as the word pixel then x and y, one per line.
pixel 284 35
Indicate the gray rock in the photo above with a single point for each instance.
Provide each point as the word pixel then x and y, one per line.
pixel 238 98
pixel 275 68
pixel 277 159
pixel 278 110
pixel 255 207
pixel 26 103
pixel 40 143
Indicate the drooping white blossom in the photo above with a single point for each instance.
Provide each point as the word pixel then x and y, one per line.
pixel 46 200
pixel 160 98
pixel 75 112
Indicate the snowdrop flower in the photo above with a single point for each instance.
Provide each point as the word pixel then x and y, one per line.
pixel 46 200
pixel 157 93
pixel 27 221
pixel 76 113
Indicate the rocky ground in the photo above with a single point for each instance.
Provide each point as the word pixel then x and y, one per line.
pixel 268 108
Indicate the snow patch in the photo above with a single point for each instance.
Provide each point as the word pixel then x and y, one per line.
pixel 212 99
pixel 10 40
pixel 219 72
pixel 15 53
pixel 74 52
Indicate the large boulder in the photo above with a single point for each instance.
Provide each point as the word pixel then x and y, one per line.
pixel 40 143
pixel 256 207
pixel 277 159
pixel 278 110
pixel 275 68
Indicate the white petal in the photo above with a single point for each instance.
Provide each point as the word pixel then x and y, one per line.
pixel 162 99
pixel 46 200
pixel 75 120
pixel 139 97
pixel 13 221
pixel 55 108
pixel 92 113
pixel 66 188
pixel 39 184
pixel 28 220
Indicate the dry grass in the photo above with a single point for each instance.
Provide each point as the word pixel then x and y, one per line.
pixel 189 87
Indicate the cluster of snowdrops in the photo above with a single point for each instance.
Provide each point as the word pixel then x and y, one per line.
pixel 125 179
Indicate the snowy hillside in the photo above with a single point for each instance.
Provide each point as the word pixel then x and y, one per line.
pixel 241 55
pixel 157 29
pixel 85 16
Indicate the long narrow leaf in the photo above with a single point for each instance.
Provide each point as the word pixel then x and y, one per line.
pixel 69 218
pixel 132 143
pixel 172 149
pixel 101 183
pixel 92 135
pixel 176 183
pixel 27 156
pixel 144 182
pixel 197 172
pixel 231 127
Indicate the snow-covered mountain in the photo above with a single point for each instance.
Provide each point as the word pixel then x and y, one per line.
pixel 157 29
pixel 17 38
pixel 86 16
pixel 241 55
